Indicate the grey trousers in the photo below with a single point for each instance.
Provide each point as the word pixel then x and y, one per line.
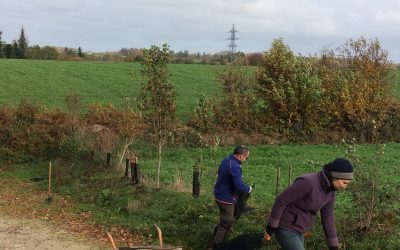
pixel 226 219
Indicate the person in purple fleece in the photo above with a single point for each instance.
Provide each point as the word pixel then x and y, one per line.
pixel 295 209
pixel 226 190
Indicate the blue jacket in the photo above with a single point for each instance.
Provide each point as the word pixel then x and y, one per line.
pixel 229 182
pixel 295 209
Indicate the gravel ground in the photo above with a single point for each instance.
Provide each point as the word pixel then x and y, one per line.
pixel 34 234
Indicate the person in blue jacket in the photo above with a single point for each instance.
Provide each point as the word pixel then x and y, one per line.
pixel 226 190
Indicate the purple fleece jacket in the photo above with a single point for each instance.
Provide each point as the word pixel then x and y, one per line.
pixel 229 181
pixel 295 208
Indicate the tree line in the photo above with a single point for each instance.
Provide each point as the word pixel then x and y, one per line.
pixel 20 49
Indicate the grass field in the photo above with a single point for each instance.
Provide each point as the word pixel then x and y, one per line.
pixel 49 82
pixel 184 220
pixel 189 222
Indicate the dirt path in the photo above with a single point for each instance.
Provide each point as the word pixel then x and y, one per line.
pixel 28 222
pixel 34 234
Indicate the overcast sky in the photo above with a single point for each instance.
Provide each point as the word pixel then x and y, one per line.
pixel 306 26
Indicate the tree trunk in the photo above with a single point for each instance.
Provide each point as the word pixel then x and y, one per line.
pixel 121 156
pixel 160 145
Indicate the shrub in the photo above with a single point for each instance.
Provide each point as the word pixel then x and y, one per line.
pixel 375 198
pixel 290 91
pixel 105 197
pixel 203 116
pixel 236 109
pixel 358 85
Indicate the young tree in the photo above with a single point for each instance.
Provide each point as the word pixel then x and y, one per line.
pixel 157 97
pixel 22 45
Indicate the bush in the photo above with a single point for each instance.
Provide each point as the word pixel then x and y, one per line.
pixel 358 86
pixel 237 107
pixel 375 199
pixel 290 91
pixel 105 197
pixel 203 116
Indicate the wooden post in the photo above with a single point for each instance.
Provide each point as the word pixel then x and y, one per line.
pixel 159 234
pixel 132 172
pixel 290 174
pixel 110 238
pixel 196 180
pixel 49 198
pixel 108 160
pixel 278 177
pixel 49 179
pixel 135 171
pixel 126 168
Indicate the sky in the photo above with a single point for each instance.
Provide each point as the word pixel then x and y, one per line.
pixel 306 26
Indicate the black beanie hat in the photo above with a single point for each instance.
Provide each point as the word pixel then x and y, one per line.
pixel 339 169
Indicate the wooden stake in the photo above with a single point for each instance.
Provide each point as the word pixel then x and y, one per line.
pixel 159 234
pixel 278 177
pixel 110 238
pixel 49 179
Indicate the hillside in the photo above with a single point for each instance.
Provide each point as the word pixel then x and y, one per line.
pixel 49 82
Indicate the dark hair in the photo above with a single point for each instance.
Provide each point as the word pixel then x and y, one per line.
pixel 240 150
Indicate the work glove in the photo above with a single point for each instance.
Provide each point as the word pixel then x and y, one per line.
pixel 270 230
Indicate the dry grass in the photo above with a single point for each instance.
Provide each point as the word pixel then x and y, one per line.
pixel 133 206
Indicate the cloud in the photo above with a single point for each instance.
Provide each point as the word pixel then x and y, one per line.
pixel 194 25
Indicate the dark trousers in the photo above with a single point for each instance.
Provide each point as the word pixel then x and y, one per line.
pixel 226 219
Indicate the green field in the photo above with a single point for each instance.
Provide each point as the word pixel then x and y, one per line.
pixel 49 82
